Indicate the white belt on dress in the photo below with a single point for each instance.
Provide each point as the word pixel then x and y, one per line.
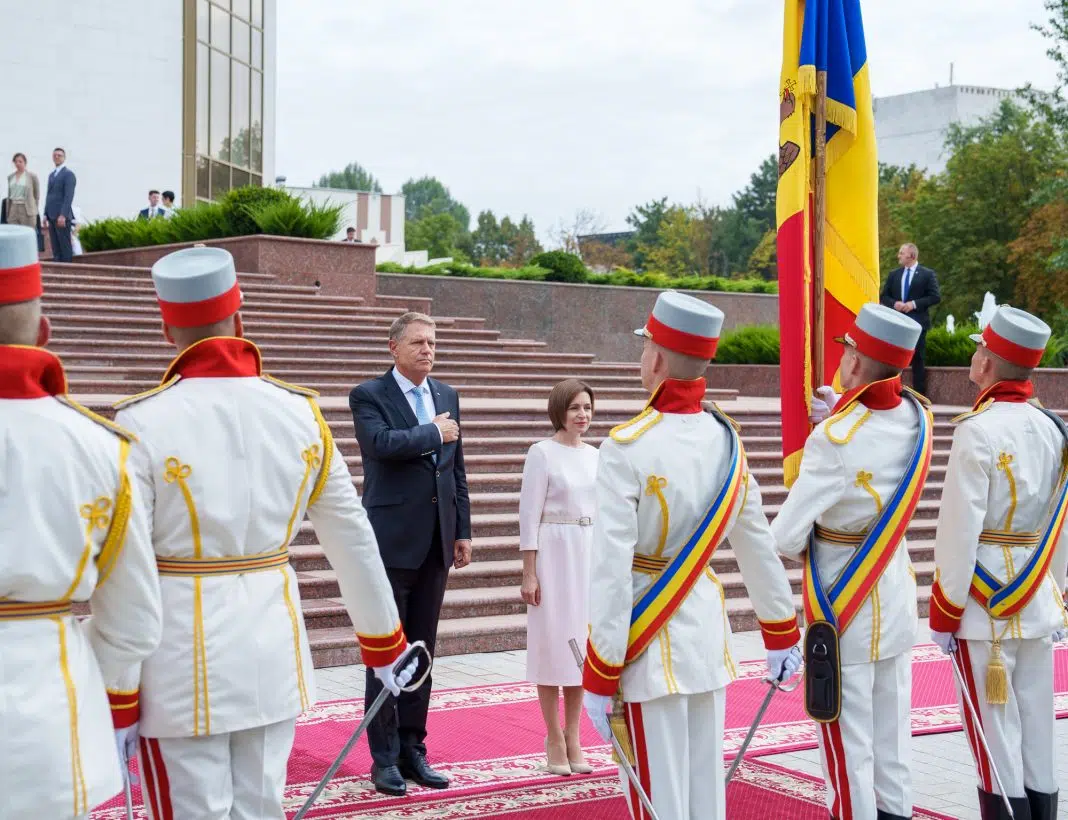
pixel 584 521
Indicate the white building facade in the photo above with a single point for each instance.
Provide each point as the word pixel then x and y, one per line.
pixel 142 94
pixel 910 129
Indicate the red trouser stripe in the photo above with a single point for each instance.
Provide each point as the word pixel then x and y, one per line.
pixel 149 791
pixel 982 763
pixel 838 770
pixel 636 726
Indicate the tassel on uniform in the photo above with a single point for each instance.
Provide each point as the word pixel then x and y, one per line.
pixel 997 681
pixel 618 724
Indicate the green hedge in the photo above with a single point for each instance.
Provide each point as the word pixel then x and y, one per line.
pixel 240 212
pixel 620 276
pixel 757 344
pixel 945 349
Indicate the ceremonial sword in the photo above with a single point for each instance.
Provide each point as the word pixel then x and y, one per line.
pixel 773 687
pixel 977 725
pixel 368 716
pixel 632 775
pixel 127 796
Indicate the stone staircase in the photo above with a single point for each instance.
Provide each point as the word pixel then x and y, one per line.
pixel 106 328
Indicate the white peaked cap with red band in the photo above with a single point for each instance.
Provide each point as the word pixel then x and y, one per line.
pixel 196 286
pixel 20 268
pixel 1016 336
pixel 684 324
pixel 883 334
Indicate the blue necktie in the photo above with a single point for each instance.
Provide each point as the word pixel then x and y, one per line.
pixel 906 281
pixel 421 412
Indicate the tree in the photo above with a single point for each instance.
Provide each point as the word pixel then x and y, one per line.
pixel 964 219
pixel 439 235
pixel 646 219
pixel 603 257
pixel 524 243
pixel 734 237
pixel 763 262
pixel 487 245
pixel 566 234
pixel 756 201
pixel 353 177
pixel 427 196
pixel 1038 255
pixel 1053 107
pixel 897 192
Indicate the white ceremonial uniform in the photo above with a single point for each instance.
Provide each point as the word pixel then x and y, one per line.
pixel 852 464
pixel 1004 469
pixel 231 462
pixel 656 477
pixel 73 531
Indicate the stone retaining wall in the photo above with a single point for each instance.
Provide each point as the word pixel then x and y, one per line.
pixel 570 318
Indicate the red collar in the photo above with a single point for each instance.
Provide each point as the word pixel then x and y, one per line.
pixel 30 373
pixel 678 396
pixel 1008 391
pixel 220 357
pixel 880 395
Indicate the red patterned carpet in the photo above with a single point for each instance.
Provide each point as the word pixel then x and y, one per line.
pixel 488 741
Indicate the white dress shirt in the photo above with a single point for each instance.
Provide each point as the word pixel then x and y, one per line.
pixel 408 388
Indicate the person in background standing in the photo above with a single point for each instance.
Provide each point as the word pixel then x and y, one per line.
pixel 23 194
pixel 350 235
pixel 59 205
pixel 154 209
pixel 168 204
pixel 415 492
pixel 913 290
pixel 556 508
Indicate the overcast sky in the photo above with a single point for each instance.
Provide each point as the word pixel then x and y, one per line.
pixel 548 106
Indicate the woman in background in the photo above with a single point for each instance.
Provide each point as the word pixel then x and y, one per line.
pixel 556 508
pixel 23 194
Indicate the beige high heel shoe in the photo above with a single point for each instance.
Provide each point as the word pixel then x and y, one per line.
pixel 555 768
pixel 578 766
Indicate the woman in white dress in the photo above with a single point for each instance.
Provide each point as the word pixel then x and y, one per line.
pixel 556 509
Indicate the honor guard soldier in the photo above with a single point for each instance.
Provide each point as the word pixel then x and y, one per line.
pixel 1000 560
pixel 862 475
pixel 229 461
pixel 672 484
pixel 73 531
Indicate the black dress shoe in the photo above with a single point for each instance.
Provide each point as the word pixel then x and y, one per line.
pixel 388 780
pixel 416 768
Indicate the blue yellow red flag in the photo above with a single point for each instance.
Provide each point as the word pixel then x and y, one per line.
pixel 823 36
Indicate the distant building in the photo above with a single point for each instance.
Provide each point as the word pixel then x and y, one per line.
pixel 911 128
pixel 612 240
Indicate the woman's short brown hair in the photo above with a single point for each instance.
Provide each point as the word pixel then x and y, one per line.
pixel 560 398
pixel 19 154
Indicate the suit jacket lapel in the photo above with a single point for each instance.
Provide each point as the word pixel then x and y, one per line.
pixel 399 401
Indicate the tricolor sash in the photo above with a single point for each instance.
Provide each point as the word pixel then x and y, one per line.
pixel 1003 600
pixel 662 599
pixel 840 604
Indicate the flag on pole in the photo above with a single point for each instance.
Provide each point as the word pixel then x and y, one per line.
pixel 822 36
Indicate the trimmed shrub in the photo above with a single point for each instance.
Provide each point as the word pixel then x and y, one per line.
pixel 562 266
pixel 945 349
pixel 241 212
pixel 239 206
pixel 758 344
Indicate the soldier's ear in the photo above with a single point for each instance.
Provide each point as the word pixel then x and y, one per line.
pixel 239 328
pixel 44 331
pixel 167 333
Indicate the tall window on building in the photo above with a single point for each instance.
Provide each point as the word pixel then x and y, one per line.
pixel 229 96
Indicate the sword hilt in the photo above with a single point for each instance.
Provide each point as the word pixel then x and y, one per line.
pixel 416 648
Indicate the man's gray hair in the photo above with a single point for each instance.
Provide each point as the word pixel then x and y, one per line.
pixel 911 248
pixel 400 324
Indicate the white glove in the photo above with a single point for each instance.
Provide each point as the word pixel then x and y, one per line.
pixel 394 683
pixel 598 707
pixel 822 404
pixel 945 640
pixel 126 745
pixel 783 663
pixel 1059 635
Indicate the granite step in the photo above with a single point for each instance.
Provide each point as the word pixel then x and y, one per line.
pixel 87 299
pixel 125 273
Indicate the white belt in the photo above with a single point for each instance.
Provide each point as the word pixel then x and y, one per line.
pixel 585 521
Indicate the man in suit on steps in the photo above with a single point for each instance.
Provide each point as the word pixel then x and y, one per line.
pixel 913 289
pixel 415 492
pixel 59 207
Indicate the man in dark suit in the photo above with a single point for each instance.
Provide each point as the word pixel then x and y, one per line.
pixel 154 209
pixel 415 492
pixel 913 289
pixel 59 207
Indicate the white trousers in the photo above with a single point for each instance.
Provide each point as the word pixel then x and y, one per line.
pixel 234 776
pixel 1020 733
pixel 866 752
pixel 678 748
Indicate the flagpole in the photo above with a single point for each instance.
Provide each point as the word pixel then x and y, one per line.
pixel 820 220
